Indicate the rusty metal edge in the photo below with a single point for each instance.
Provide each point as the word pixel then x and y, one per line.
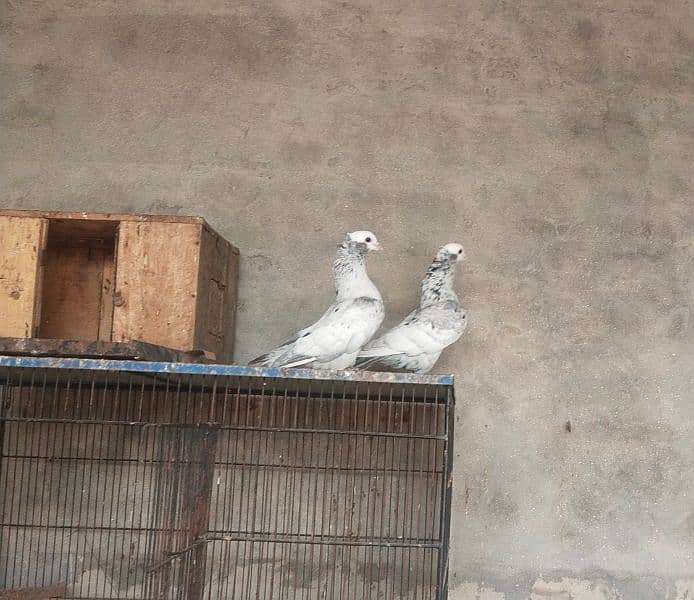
pixel 86 364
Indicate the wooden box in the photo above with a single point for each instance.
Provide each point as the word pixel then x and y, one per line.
pixel 169 281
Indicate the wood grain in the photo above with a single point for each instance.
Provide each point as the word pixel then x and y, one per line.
pixel 115 218
pixel 170 281
pixel 10 346
pixel 21 245
pixel 216 307
pixel 85 216
pixel 156 279
pixel 108 284
pixel 72 292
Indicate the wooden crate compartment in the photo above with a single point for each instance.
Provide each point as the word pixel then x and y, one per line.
pixel 79 264
pixel 169 281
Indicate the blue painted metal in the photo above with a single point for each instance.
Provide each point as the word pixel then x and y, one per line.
pixel 88 364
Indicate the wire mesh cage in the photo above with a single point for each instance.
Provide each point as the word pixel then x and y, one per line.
pixel 160 480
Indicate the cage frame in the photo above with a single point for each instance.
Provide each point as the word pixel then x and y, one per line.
pixel 258 378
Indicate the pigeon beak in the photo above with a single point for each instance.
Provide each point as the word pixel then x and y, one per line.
pixel 376 246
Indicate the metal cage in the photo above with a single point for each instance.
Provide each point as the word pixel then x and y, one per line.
pixel 124 479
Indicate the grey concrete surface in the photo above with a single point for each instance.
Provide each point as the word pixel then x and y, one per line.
pixel 554 139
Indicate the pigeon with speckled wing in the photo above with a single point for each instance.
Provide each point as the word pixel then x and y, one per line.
pixel 334 341
pixel 417 342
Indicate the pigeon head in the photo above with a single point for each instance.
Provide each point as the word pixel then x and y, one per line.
pixel 452 253
pixel 349 266
pixel 362 241
pixel 437 284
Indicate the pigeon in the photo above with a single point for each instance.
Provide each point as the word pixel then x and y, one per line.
pixel 417 342
pixel 334 341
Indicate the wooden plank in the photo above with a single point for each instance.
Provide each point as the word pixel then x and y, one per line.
pixel 156 281
pixel 216 306
pixel 181 518
pixel 114 217
pixel 72 292
pixel 12 346
pixel 231 302
pixel 55 591
pixel 86 216
pixel 92 233
pixel 78 280
pixel 108 282
pixel 21 246
pixel 196 501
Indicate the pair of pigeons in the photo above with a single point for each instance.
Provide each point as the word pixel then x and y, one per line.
pixel 342 337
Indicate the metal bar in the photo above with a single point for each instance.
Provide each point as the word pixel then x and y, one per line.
pixel 361 521
pixel 421 505
pixel 408 522
pixel 250 498
pixel 152 383
pixel 4 476
pixel 155 585
pixel 406 436
pixel 52 491
pixel 301 526
pixel 222 487
pixel 64 476
pixel 233 500
pixel 393 504
pixel 272 572
pixel 436 519
pixel 325 541
pixel 167 368
pixel 324 498
pixel 197 494
pixel 268 496
pixel 405 542
pixel 446 497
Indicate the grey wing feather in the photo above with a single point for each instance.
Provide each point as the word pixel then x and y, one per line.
pixel 416 342
pixel 344 328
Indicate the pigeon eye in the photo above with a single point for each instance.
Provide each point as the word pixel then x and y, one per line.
pixel 460 251
pixel 368 239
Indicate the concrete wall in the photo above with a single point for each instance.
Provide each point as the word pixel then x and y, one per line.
pixel 554 139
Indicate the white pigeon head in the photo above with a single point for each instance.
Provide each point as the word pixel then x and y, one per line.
pixel 365 241
pixel 452 252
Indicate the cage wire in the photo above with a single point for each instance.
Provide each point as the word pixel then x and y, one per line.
pixel 158 480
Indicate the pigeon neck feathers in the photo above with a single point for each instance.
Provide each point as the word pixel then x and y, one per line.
pixel 437 285
pixel 349 269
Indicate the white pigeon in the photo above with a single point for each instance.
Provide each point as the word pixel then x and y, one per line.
pixel 417 342
pixel 334 341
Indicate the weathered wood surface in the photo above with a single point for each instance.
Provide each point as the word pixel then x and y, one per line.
pixel 116 217
pixel 72 298
pixel 55 591
pixel 131 350
pixel 216 305
pixel 169 281
pixel 77 290
pixel 80 232
pixel 156 279
pixel 106 301
pixel 21 245
pixel 87 216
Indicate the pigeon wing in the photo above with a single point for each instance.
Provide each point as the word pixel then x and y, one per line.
pixel 344 328
pixel 427 330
